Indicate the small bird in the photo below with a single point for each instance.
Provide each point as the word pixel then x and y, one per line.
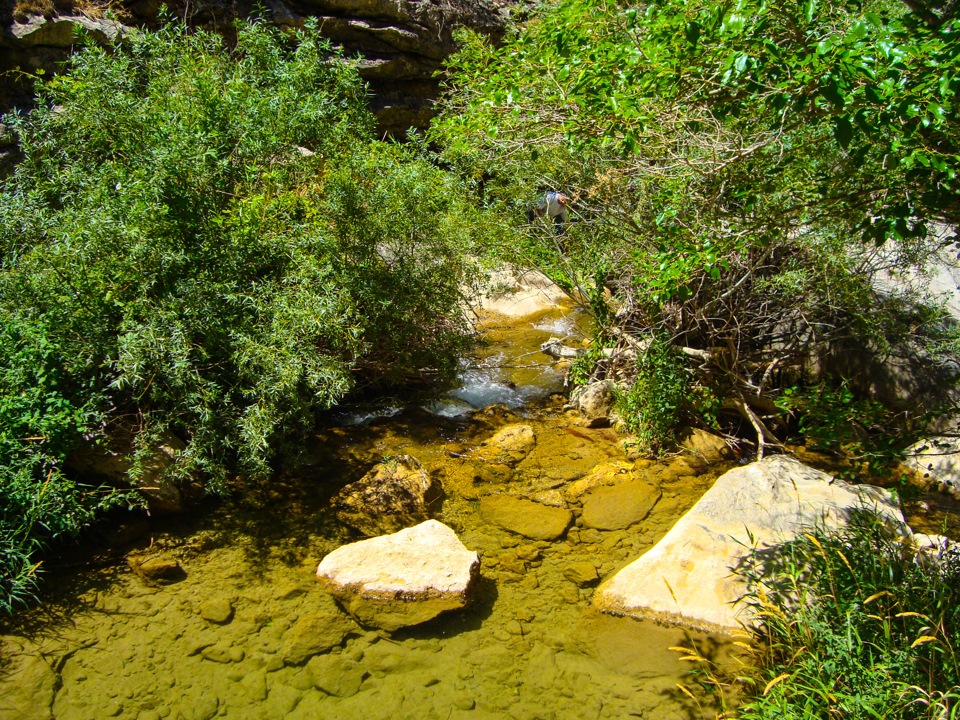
pixel 554 205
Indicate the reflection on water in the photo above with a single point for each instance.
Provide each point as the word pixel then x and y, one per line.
pixel 238 637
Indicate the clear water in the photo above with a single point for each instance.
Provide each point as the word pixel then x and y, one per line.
pixel 530 647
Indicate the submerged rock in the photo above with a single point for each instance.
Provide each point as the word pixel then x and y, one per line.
pixel 403 579
pixel 525 517
pixel 687 578
pixel 218 611
pixel 154 569
pixel 29 683
pixel 336 675
pixel 395 494
pixel 613 473
pixel 619 506
pixel 315 633
pixel 509 446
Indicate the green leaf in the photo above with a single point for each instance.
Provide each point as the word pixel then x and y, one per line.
pixel 842 131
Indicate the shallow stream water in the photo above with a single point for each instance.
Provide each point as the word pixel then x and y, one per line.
pixel 223 640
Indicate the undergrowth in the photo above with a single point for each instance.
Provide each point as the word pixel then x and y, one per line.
pixel 854 624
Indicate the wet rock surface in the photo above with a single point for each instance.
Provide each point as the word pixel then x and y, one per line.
pixel 525 517
pixel 616 507
pixel 28 684
pixel 395 494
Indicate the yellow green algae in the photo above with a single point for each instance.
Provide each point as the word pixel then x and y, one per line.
pixel 235 637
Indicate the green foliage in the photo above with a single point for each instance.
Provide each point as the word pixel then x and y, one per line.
pixel 207 242
pixel 854 626
pixel 747 176
pixel 38 426
pixel 659 397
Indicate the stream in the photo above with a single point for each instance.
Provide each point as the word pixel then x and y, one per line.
pixel 223 640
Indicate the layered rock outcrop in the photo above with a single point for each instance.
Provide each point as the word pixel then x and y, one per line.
pixel 402 44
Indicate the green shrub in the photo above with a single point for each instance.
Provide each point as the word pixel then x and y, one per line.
pixel 206 241
pixel 653 406
pixel 853 626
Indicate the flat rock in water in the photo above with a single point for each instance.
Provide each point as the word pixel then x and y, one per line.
pixel 525 517
pixel 336 675
pixel 613 473
pixel 687 578
pixel 395 494
pixel 617 507
pixel 403 579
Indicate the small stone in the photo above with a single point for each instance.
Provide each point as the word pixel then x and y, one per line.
pixel 217 654
pixel 528 552
pixel 530 582
pixel 156 568
pixel 464 703
pixel 218 611
pixel 581 573
pixel 590 536
pixel 513 627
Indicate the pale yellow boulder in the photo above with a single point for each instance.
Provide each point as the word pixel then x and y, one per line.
pixel 687 578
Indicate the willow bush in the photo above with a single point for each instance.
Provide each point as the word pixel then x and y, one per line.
pixel 206 241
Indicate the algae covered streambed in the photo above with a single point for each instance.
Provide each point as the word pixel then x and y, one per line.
pixel 233 636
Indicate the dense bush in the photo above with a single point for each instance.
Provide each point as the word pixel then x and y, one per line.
pixel 749 177
pixel 206 242
pixel 853 626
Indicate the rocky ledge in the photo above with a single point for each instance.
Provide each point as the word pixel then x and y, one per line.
pixel 402 44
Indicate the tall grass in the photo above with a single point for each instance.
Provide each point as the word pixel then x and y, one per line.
pixel 854 624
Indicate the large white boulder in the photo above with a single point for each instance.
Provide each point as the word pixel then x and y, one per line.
pixel 403 579
pixel 687 578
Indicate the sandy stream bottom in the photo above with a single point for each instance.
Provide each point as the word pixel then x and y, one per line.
pixel 530 647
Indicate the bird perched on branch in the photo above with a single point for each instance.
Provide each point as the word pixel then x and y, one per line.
pixel 553 205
